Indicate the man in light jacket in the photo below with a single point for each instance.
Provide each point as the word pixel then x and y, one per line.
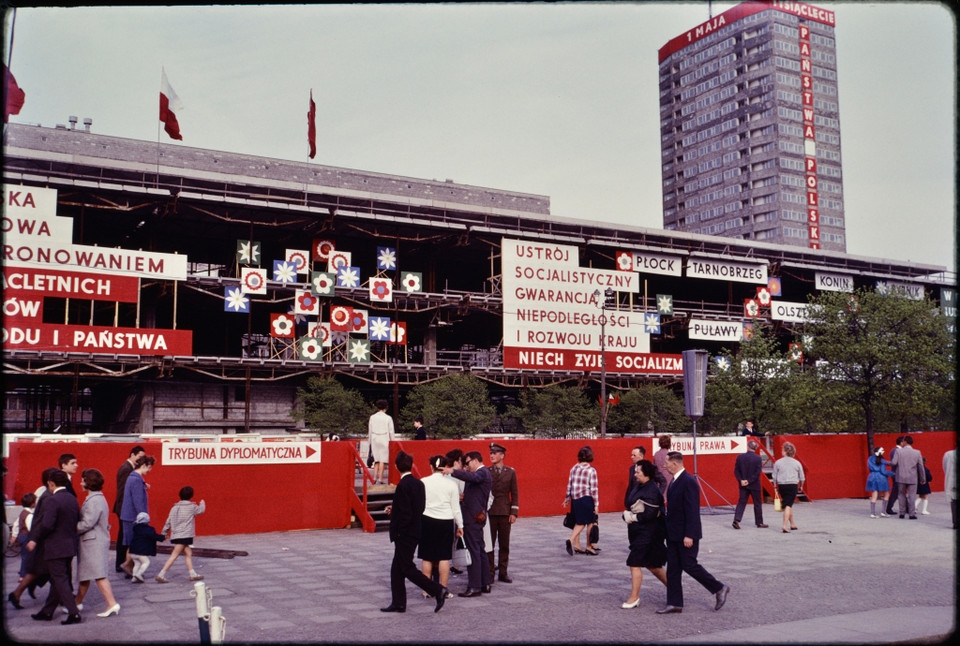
pixel 909 469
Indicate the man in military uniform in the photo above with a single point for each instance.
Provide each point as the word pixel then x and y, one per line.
pixel 503 511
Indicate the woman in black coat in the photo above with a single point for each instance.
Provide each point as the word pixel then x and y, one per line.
pixel 646 531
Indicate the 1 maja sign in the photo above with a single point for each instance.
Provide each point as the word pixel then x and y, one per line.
pixel 236 453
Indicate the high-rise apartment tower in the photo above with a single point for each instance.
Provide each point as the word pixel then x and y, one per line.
pixel 750 127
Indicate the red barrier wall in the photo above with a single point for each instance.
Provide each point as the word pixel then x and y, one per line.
pixel 263 498
pixel 241 499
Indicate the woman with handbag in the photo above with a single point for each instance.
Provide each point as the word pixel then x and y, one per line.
pixel 583 497
pixel 441 520
pixel 645 530
pixel 788 481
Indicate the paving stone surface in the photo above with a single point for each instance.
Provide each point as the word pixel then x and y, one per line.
pixel 842 577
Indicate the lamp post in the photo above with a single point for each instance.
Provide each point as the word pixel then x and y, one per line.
pixel 607 297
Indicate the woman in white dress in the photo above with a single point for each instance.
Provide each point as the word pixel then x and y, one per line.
pixel 379 434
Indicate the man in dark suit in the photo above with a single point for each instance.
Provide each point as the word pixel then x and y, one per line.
pixel 69 465
pixel 57 531
pixel 747 470
pixel 409 500
pixel 683 538
pixel 638 453
pixel 474 508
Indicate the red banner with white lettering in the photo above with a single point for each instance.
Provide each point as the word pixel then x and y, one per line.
pixel 35 282
pixel 27 334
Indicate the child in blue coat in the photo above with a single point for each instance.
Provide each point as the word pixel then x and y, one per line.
pixel 143 545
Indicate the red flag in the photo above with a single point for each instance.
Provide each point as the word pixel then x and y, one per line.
pixel 169 105
pixel 312 127
pixel 14 95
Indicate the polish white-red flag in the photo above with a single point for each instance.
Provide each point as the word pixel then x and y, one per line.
pixel 13 95
pixel 169 106
pixel 312 127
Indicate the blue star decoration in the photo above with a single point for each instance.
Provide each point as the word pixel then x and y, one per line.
pixel 651 323
pixel 284 271
pixel 378 328
pixel 234 300
pixel 386 258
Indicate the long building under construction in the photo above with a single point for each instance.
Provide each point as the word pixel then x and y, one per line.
pixel 157 288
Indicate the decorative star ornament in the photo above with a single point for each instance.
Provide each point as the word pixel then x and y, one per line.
pixel 359 350
pixel 378 328
pixel 651 323
pixel 348 277
pixel 386 258
pixel 234 300
pixel 665 304
pixel 284 271
pixel 248 252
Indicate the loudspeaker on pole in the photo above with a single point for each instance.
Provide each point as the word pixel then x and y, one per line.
pixel 694 381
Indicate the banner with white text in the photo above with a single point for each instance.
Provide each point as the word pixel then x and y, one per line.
pixel 553 315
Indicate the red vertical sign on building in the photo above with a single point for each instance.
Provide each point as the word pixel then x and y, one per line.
pixel 809 135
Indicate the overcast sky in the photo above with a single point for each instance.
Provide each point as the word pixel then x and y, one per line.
pixel 552 99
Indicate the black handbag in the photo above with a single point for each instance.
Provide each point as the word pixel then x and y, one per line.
pixel 595 532
pixel 569 520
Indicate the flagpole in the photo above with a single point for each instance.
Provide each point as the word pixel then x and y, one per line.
pixel 7 72
pixel 13 25
pixel 156 183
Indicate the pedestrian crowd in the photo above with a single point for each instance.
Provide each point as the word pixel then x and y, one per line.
pixel 456 520
pixel 59 535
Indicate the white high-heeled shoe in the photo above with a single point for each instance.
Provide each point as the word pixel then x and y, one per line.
pixel 112 610
pixel 627 606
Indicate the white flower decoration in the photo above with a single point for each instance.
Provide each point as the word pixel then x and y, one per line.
pixel 386 258
pixel 235 299
pixel 348 277
pixel 284 272
pixel 359 350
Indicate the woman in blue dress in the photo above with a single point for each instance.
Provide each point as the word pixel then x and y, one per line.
pixel 877 482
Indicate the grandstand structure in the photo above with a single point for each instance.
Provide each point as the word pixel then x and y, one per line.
pixel 429 259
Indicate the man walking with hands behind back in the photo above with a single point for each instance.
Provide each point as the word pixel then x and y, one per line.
pixel 683 538
pixel 409 501
pixel 747 470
